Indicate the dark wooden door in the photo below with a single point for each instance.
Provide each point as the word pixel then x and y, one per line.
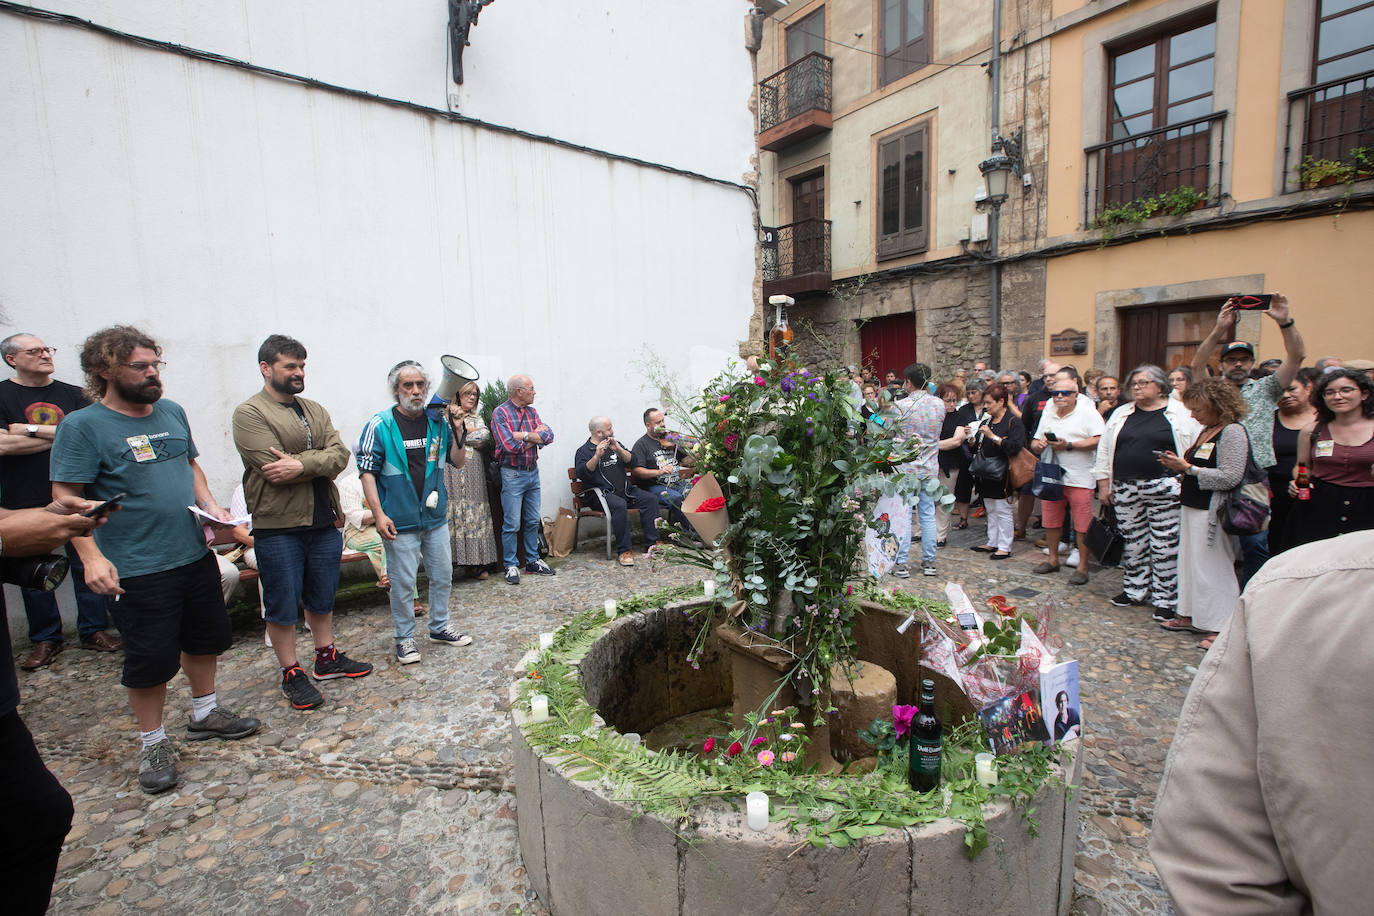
pixel 808 232
pixel 1165 335
pixel 888 343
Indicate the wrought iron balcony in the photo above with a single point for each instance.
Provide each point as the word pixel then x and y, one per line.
pixel 1327 122
pixel 794 103
pixel 1156 162
pixel 796 258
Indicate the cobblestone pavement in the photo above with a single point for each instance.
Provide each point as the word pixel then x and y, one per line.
pixel 396 796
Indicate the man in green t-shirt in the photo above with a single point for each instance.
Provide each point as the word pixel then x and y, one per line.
pixel 151 556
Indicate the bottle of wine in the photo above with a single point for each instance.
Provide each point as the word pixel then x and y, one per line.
pixel 1304 484
pixel 924 768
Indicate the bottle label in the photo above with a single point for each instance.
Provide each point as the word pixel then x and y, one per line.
pixel 1304 494
pixel 927 757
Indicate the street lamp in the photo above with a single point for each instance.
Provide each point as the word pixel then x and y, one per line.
pixel 997 174
pixel 997 171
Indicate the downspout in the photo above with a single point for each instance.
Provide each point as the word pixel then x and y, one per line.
pixel 995 218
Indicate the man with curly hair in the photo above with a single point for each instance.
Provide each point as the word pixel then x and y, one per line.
pixel 151 556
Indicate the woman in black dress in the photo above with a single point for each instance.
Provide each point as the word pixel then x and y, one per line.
pixel 1000 437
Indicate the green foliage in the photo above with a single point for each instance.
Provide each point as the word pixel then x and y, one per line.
pixel 1177 202
pixel 881 734
pixel 493 396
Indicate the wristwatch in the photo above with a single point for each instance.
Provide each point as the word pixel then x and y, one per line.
pixel 33 431
pixel 1068 446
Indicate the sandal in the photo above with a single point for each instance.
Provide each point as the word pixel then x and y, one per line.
pixel 961 524
pixel 1175 626
pixel 1206 644
pixel 984 548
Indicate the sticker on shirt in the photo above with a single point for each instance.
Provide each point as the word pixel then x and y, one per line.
pixel 142 449
pixel 151 447
pixel 1204 451
pixel 1326 448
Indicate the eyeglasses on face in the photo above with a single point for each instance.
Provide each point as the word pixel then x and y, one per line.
pixel 1142 382
pixel 1342 392
pixel 39 351
pixel 141 366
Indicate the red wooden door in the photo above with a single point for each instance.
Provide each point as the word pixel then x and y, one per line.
pixel 888 343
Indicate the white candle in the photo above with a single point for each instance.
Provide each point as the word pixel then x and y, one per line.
pixel 756 805
pixel 709 586
pixel 539 707
pixel 985 768
pixel 610 607
pixel 545 641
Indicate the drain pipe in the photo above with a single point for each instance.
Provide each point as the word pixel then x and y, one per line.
pixel 995 218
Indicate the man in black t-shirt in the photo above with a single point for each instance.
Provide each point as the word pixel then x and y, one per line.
pixel 657 464
pixel 31 405
pixel 603 463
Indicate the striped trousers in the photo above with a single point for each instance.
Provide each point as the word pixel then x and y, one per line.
pixel 1147 512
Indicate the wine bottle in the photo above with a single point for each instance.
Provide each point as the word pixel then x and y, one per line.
pixel 923 772
pixel 1304 484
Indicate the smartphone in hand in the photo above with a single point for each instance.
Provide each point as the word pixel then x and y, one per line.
pixel 1247 302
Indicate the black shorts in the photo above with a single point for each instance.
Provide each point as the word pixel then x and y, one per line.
pixel 163 614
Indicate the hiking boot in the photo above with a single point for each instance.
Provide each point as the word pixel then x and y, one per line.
pixel 450 637
pixel 157 768
pixel 406 653
pixel 300 693
pixel 512 575
pixel 541 568
pixel 221 723
pixel 340 666
pixel 901 571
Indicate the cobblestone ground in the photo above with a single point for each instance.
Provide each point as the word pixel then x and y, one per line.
pixel 396 795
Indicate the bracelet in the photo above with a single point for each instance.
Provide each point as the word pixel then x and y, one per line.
pixel 1285 325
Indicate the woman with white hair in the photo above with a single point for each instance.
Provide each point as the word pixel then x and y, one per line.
pixel 1143 491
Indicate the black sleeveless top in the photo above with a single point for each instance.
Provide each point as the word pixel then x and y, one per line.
pixel 1192 495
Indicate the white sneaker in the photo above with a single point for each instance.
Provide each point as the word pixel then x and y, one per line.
pixel 1072 561
pixel 1045 551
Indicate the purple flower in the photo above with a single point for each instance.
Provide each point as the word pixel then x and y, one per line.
pixel 787 384
pixel 810 432
pixel 901 718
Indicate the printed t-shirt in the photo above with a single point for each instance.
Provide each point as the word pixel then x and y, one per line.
pixel 414 431
pixel 649 453
pixel 24 481
pixel 149 458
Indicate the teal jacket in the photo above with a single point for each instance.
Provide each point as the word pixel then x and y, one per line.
pixel 382 452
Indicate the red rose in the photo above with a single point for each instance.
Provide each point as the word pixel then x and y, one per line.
pixel 709 746
pixel 714 504
pixel 733 749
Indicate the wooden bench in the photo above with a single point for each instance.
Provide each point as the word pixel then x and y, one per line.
pixel 579 493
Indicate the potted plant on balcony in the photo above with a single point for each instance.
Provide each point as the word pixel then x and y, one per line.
pixel 1320 172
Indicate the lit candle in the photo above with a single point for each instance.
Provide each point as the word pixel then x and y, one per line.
pixel 985 768
pixel 539 707
pixel 545 641
pixel 756 804
pixel 610 607
pixel 709 586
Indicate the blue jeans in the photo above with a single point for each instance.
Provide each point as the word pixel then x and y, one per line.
pixel 45 619
pixel 671 499
pixel 403 557
pixel 925 509
pixel 520 508
pixel 295 570
pixel 1254 551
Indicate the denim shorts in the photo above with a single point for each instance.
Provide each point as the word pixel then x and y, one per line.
pixel 298 568
pixel 164 614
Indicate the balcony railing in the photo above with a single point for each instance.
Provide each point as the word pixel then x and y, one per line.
pixel 796 258
pixel 1166 159
pixel 794 103
pixel 1327 121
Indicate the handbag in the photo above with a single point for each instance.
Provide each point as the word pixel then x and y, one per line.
pixel 987 467
pixel 1049 477
pixel 1104 538
pixel 1245 508
pixel 1022 468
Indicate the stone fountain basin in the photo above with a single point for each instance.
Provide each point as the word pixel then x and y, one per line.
pixel 587 853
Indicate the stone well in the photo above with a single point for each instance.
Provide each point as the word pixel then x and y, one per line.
pixel 587 853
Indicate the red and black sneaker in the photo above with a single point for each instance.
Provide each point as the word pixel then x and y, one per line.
pixel 339 665
pixel 300 693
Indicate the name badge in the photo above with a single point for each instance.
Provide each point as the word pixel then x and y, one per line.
pixel 1326 448
pixel 1204 451
pixel 141 448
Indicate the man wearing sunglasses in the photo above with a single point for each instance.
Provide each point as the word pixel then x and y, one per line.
pixel 31 405
pixel 1261 395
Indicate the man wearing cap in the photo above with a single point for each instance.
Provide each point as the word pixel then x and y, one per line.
pixel 1261 395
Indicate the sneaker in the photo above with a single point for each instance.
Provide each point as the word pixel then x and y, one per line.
pixel 512 575
pixel 340 666
pixel 406 653
pixel 450 637
pixel 627 559
pixel 157 768
pixel 1072 561
pixel 928 568
pixel 300 693
pixel 901 571
pixel 1125 600
pixel 1162 615
pixel 221 723
pixel 541 568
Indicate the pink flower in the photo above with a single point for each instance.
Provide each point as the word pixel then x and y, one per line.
pixel 759 739
pixel 734 748
pixel 788 757
pixel 709 746
pixel 724 398
pixel 766 758
pixel 901 718
pixel 730 441
pixel 760 382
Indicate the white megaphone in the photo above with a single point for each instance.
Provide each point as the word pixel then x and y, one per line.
pixel 456 372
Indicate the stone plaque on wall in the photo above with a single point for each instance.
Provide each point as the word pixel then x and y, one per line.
pixel 1069 342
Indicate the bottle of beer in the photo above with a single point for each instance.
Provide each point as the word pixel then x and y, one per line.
pixel 924 768
pixel 1304 483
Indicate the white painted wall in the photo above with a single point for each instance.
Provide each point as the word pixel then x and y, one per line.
pixel 211 206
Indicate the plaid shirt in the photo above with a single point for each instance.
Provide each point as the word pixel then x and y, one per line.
pixel 506 421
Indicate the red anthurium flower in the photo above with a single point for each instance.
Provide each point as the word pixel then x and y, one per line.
pixel 734 748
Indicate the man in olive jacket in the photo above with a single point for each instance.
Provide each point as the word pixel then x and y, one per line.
pixel 291 454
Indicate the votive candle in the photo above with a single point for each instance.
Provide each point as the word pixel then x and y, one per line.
pixel 545 641
pixel 539 708
pixel 709 586
pixel 756 807
pixel 610 607
pixel 985 769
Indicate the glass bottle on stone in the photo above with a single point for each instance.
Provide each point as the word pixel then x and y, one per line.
pixel 923 771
